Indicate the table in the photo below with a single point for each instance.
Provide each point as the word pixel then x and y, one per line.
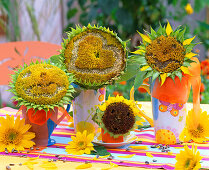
pixel 6 160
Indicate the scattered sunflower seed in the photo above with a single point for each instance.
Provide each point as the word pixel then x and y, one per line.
pixel 57 156
pixel 127 149
pixel 49 160
pixel 146 162
pixel 154 160
pixel 153 146
pixel 13 150
pixel 28 151
pixel 20 164
pixel 31 148
pixel 109 158
pixel 11 164
pixel 54 160
pixel 64 160
pixel 57 146
pixel 86 162
pixel 8 167
pixel 37 148
pixel 97 156
pixel 121 161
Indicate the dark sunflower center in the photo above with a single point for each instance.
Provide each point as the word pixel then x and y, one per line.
pixel 165 54
pixel 118 118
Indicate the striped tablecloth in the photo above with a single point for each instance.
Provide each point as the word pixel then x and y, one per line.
pixel 62 134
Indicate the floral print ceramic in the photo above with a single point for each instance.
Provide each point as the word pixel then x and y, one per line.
pixel 169 120
pixel 84 109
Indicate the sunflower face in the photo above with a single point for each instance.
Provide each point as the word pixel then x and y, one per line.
pixel 165 54
pixel 118 118
pixel 95 55
pixel 42 84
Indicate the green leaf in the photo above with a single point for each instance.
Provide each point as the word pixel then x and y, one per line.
pixel 180 35
pixel 55 59
pixel 179 74
pixel 148 74
pixel 131 71
pixel 139 79
pixel 155 75
pixel 100 150
pixel 71 13
pixel 173 77
pixel 153 34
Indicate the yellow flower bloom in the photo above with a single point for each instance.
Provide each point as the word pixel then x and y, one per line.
pixel 118 116
pixel 199 134
pixel 189 159
pixel 189 9
pixel 80 144
pixel 164 51
pixel 14 134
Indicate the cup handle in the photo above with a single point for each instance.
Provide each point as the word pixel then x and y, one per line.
pixel 146 87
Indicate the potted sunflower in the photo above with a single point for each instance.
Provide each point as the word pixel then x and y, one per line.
pixel 117 117
pixel 96 56
pixel 41 89
pixel 166 58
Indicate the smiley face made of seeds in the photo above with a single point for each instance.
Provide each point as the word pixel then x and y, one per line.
pixel 42 84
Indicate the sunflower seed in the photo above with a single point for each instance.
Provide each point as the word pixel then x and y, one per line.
pixel 86 162
pixel 8 167
pixel 109 158
pixel 20 164
pixel 121 161
pixel 153 146
pixel 154 160
pixel 64 160
pixel 54 160
pixel 31 148
pixel 49 160
pixel 57 156
pixel 127 149
pixel 13 150
pixel 11 164
pixel 57 146
pixel 97 156
pixel 37 148
pixel 146 162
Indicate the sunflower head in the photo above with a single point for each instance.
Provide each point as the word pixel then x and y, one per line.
pixel 81 143
pixel 117 116
pixel 164 53
pixel 42 86
pixel 14 134
pixel 95 55
pixel 197 134
pixel 188 159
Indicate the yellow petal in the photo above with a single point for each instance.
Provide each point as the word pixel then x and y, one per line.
pixel 190 55
pixel 113 165
pixel 145 38
pixel 132 93
pixel 185 70
pixel 188 41
pixel 127 156
pixel 168 29
pixel 84 166
pixel 139 147
pixel 138 52
pixel 163 78
pixel 149 155
pixel 104 156
pixel 144 68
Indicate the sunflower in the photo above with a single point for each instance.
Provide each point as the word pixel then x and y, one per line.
pixel 95 55
pixel 80 144
pixel 165 53
pixel 198 134
pixel 189 159
pixel 117 116
pixel 42 86
pixel 14 134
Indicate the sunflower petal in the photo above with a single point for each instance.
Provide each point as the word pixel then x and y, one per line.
pixel 188 41
pixel 144 68
pixel 190 55
pixel 145 38
pixel 168 29
pixel 185 70
pixel 163 78
pixel 138 51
